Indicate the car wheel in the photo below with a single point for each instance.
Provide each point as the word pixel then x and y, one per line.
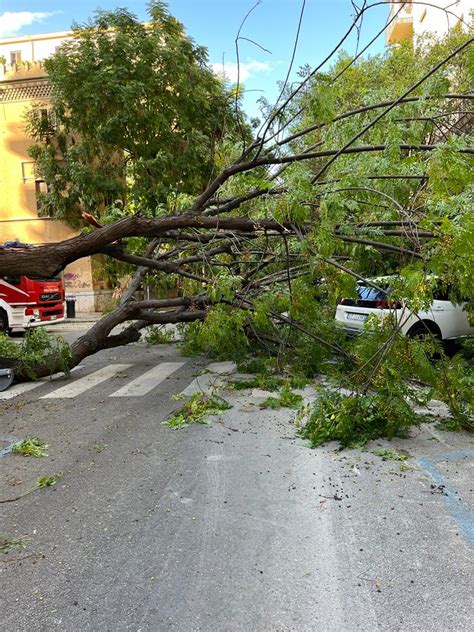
pixel 422 331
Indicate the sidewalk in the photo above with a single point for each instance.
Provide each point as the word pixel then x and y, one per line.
pixel 84 317
pixel 82 321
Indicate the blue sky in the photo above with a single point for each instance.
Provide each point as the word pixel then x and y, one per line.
pixel 214 24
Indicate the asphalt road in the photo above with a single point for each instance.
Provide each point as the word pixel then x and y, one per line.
pixel 232 526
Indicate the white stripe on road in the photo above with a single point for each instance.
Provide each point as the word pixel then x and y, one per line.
pixel 18 389
pixel 221 367
pixel 209 379
pixel 88 381
pixel 146 382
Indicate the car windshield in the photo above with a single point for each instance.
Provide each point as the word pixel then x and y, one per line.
pixel 368 293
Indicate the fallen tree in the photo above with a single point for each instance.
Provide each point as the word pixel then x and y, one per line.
pixel 355 172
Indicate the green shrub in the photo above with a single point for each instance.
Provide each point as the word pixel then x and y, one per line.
pixel 197 411
pixel 354 420
pixel 157 335
pixel 286 399
pixel 38 347
pixel 30 446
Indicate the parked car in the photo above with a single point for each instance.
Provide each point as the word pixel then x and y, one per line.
pixel 444 319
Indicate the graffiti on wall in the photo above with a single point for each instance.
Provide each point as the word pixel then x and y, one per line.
pixel 75 281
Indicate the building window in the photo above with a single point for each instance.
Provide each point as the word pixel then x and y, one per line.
pixel 46 121
pixel 15 56
pixel 28 171
pixel 41 188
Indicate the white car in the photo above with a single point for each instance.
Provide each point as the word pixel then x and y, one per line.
pixel 443 319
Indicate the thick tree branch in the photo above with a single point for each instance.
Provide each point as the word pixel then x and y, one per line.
pixel 52 258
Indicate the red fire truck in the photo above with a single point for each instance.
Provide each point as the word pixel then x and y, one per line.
pixel 30 301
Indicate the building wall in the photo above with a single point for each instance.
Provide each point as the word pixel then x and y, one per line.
pixel 32 47
pixel 416 19
pixel 21 85
pixel 435 20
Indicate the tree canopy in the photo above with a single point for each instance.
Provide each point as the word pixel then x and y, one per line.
pixel 137 116
pixel 361 169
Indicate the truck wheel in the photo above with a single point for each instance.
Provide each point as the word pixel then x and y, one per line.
pixel 4 323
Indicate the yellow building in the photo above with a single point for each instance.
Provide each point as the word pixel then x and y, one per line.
pixel 23 82
pixel 413 19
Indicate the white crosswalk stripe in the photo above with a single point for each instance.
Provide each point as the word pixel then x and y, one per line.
pixel 18 389
pixel 87 382
pixel 149 380
pixel 140 386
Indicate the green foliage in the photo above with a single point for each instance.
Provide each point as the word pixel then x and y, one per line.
pixel 263 381
pixel 454 385
pixel 38 348
pixel 286 399
pixel 271 402
pixel 386 454
pixel 30 446
pixel 298 380
pixel 266 381
pixel 139 117
pixel 8 348
pixel 99 447
pixel 145 114
pixel 157 335
pixel 222 335
pixel 293 206
pixel 197 410
pixel 253 365
pixel 449 425
pixel 41 482
pixel 190 334
pixel 389 363
pixel 349 197
pixel 355 419
pixel 223 285
pixel 467 348
pixel 9 543
pixel 48 481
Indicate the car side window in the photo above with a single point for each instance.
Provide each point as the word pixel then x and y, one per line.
pixel 441 293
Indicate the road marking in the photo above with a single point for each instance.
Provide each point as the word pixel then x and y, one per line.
pixel 61 374
pixel 10 441
pixel 87 382
pixel 221 367
pixel 209 379
pixel 457 508
pixel 146 382
pixel 18 389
